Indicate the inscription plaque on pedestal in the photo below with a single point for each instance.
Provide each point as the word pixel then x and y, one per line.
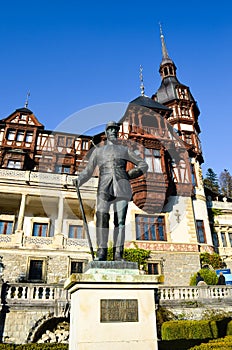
pixel 119 310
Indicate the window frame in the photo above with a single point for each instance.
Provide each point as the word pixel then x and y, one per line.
pixel 77 226
pixel 43 269
pixel 153 160
pixel 61 169
pixel 83 262
pixel 41 221
pixel 17 164
pixel 224 240
pixel 147 228
pixel 6 221
pixel 199 233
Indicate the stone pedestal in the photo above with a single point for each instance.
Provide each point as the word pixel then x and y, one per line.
pixel 112 307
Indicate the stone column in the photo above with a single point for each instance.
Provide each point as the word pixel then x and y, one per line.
pixel 17 238
pixel 58 239
pixel 21 213
pixel 59 222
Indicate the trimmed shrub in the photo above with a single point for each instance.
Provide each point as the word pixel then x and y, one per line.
pixel 229 328
pixel 34 346
pixel 172 330
pixel 136 254
pixel 217 344
pixel 45 346
pixel 210 277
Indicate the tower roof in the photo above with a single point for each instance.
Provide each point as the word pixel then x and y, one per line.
pixel 168 88
pixel 165 58
pixel 145 101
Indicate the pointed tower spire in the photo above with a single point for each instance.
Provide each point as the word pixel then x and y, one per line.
pixel 167 66
pixel 164 48
pixel 142 88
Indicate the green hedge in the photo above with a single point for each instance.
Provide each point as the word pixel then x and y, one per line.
pixel 34 346
pixel 229 328
pixel 172 330
pixel 216 344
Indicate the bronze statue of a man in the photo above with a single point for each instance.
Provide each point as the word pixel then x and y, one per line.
pixel 113 188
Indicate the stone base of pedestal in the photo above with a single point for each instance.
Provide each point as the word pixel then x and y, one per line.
pixel 112 309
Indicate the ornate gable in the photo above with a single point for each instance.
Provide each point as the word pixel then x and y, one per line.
pixel 23 116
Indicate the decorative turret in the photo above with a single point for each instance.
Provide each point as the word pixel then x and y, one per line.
pixel 167 66
pixel 178 97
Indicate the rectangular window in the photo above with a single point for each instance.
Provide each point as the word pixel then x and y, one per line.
pixel 36 270
pixel 6 227
pixel 40 229
pixel 61 169
pixel 20 135
pixel 69 141
pixel 61 140
pixel 153 268
pixel 76 231
pixel 76 267
pixel 11 135
pixel 193 175
pixel 14 164
pixel 29 137
pixel 230 238
pixel 150 228
pixel 153 159
pixel 224 242
pixel 85 145
pixel 188 138
pixel 200 231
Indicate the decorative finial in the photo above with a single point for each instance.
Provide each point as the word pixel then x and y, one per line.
pixel 27 99
pixel 164 49
pixel 142 88
pixel 161 32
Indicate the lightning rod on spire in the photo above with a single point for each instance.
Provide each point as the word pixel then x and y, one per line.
pixel 27 99
pixel 142 88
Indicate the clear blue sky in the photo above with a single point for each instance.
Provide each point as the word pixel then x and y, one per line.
pixel 74 54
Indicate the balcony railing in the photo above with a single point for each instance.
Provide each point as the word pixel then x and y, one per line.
pixel 40 178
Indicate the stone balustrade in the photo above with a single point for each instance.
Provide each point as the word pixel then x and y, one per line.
pixel 17 292
pixel 32 292
pixel 194 293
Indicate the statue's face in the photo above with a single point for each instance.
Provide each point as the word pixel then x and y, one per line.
pixel 112 133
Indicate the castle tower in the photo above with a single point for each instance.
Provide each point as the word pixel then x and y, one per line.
pixel 184 120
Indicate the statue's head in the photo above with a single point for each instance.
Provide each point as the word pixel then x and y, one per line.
pixel 111 130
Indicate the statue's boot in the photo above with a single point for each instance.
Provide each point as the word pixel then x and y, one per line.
pixel 119 239
pixel 102 233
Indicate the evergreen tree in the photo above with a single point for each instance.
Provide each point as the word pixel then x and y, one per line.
pixel 211 181
pixel 226 183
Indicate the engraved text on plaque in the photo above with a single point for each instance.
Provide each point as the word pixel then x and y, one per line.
pixel 119 310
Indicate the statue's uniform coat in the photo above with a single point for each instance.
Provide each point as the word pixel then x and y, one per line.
pixel 113 177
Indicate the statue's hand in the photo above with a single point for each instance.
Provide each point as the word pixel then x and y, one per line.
pixel 76 182
pixel 135 172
